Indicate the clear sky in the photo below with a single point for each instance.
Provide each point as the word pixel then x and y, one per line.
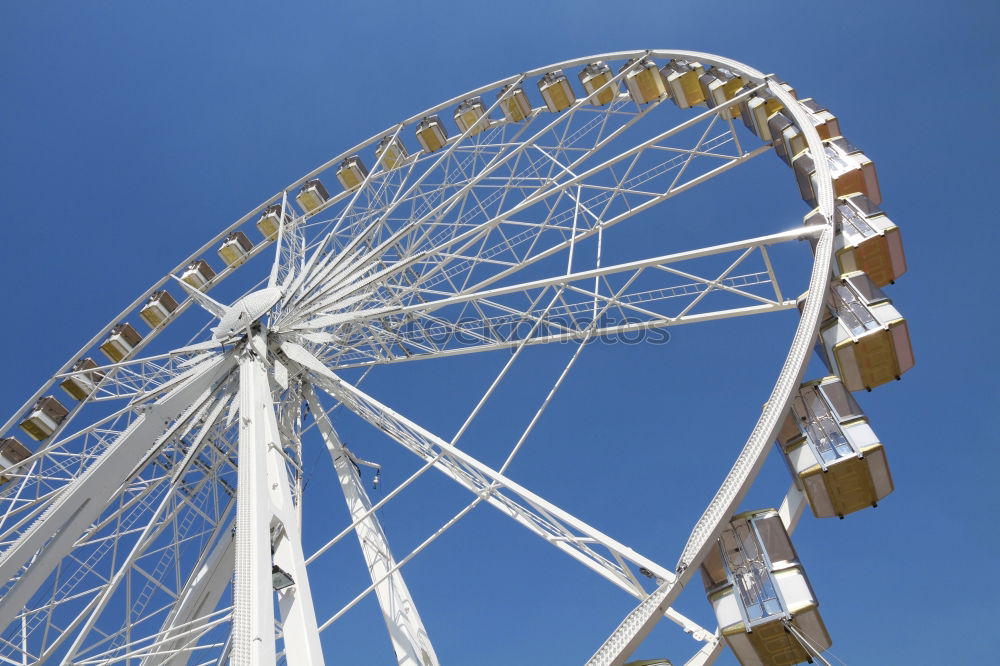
pixel 132 132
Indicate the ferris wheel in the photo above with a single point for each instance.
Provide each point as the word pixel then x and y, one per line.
pixel 152 491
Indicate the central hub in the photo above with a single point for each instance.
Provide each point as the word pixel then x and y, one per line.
pixel 240 315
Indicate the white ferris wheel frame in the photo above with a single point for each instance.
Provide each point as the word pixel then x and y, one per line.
pixel 182 389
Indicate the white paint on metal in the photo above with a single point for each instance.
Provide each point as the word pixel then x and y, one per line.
pixel 409 638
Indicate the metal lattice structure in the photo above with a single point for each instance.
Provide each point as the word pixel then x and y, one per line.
pixel 159 521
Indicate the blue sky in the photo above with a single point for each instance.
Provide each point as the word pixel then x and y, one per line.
pixel 133 132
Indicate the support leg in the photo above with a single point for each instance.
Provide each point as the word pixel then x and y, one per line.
pixel 409 638
pixel 253 615
pixel 266 520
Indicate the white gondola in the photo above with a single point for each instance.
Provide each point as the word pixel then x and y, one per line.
pixel 719 85
pixel 390 152
pixel 785 86
pixel 158 308
pixel 514 103
pixel 594 78
pixel 826 124
pixel 866 240
pixel 198 274
pixel 235 248
pixel 352 172
pixel 470 116
pixel 788 138
pixel 431 134
pixel 556 91
pixel 11 453
pixel 81 385
pixel 864 339
pixel 832 450
pixel 683 82
pixel 850 169
pixel 755 112
pixel 762 599
pixel 121 342
pixel 756 109
pixel 44 418
pixel 643 81
pixel 269 222
pixel 312 195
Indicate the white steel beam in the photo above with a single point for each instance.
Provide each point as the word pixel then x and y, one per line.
pixel 566 336
pixel 300 634
pixel 559 528
pixel 425 307
pixel 253 613
pixel 406 630
pixel 51 537
pixel 163 517
pixel 267 534
pixel 556 526
pixel 198 598
pixel 708 653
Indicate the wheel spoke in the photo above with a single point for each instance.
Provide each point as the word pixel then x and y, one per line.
pixel 610 300
pixel 553 524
